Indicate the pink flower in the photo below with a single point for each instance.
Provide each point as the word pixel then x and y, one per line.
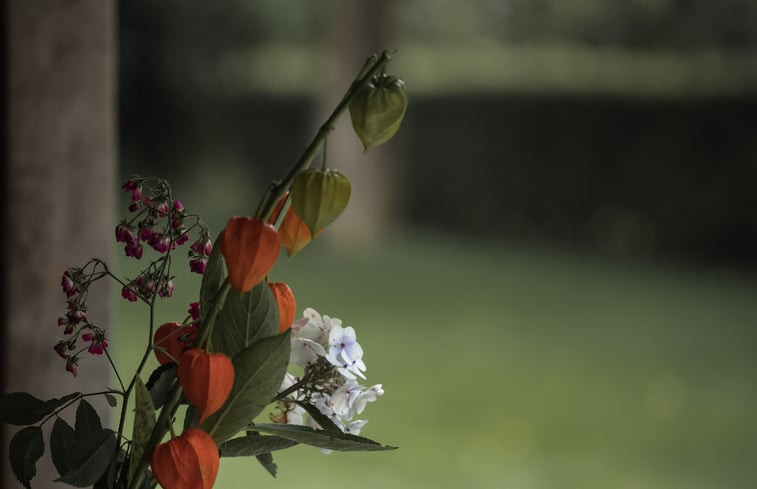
pixel 182 239
pixel 128 294
pixel 198 265
pixel 135 187
pixel 194 310
pixel 124 235
pixel 166 290
pixel 68 285
pixel 178 206
pixel 60 349
pixel 160 243
pixel 134 250
pixel 134 207
pixel 97 345
pixel 146 233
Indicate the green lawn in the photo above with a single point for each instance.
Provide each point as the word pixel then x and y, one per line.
pixel 509 368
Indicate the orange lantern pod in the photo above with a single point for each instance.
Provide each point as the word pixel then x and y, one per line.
pixel 170 340
pixel 207 379
pixel 293 233
pixel 250 248
pixel 287 306
pixel 189 461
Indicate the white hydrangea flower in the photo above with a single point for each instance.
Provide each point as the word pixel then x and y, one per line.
pixel 345 352
pixel 351 398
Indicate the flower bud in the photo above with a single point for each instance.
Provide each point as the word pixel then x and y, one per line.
pixel 207 379
pixel 189 461
pixel 250 248
pixel 377 109
pixel 287 305
pixel 319 197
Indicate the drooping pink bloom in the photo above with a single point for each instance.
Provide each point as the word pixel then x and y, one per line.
pixel 128 294
pixel 194 310
pixel 198 265
pixel 178 206
pixel 69 288
pixel 133 250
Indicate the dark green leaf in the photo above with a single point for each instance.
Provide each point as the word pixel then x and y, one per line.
pixel 259 370
pixel 190 417
pixel 266 460
pixel 321 439
pixel 253 445
pixel 212 279
pixel 320 418
pixel 245 319
pixel 112 402
pixel 160 382
pixel 90 459
pixel 144 422
pixel 87 420
pixel 21 408
pixel 62 442
pixel 26 447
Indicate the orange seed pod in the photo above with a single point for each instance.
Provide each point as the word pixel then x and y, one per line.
pixel 250 248
pixel 287 306
pixel 293 233
pixel 207 379
pixel 189 461
pixel 171 340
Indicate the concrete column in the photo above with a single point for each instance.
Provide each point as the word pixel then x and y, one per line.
pixel 58 201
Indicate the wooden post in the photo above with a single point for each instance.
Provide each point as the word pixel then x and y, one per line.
pixel 58 199
pixel 359 29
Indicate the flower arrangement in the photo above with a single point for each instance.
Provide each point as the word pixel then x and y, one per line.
pixel 240 348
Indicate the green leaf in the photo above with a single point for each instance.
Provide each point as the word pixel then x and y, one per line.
pixel 62 442
pixel 259 370
pixel 90 458
pixel 160 382
pixel 112 402
pixel 21 408
pixel 87 420
pixel 266 460
pixel 319 417
pixel 322 439
pixel 212 279
pixel 26 447
pixel 245 319
pixel 253 445
pixel 191 416
pixel 144 422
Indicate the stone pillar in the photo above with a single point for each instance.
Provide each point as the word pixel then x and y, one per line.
pixel 59 182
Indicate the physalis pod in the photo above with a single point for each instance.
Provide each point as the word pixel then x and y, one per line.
pixel 319 197
pixel 189 461
pixel 287 305
pixel 250 247
pixel 170 340
pixel 206 378
pixel 293 233
pixel 377 109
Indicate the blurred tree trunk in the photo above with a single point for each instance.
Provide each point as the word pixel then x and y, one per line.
pixel 59 171
pixel 358 30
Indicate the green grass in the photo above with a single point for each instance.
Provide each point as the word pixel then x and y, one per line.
pixel 511 368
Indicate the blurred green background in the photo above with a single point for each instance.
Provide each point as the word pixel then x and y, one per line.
pixel 551 267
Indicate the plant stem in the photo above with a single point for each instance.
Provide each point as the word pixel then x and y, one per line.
pixel 174 395
pixel 371 67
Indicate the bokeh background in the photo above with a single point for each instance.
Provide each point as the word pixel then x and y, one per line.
pixel 551 267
